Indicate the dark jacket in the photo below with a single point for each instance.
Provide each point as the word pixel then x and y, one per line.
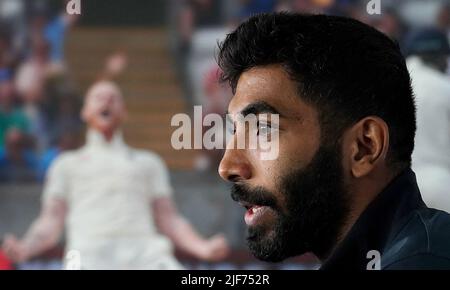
pixel 397 224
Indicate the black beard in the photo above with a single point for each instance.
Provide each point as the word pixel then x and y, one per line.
pixel 316 207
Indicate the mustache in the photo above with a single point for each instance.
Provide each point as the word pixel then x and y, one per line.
pixel 256 196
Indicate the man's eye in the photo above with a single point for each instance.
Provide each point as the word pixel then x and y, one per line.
pixel 263 129
pixel 231 128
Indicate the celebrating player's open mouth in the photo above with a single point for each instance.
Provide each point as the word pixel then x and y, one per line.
pixel 105 113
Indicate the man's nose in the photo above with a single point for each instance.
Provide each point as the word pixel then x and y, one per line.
pixel 234 166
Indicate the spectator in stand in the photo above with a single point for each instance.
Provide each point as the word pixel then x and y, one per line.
pixel 17 162
pixel 55 32
pixel 30 84
pixel 443 19
pixel 11 116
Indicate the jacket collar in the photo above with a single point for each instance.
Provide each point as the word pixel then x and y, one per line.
pixel 377 224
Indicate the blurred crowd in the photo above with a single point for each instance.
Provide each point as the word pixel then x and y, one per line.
pixel 39 104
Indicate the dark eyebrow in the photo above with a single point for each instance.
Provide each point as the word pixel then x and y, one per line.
pixel 258 107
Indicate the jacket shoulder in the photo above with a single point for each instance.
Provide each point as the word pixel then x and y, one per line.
pixel 423 242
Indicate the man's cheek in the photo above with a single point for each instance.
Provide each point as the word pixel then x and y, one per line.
pixel 262 170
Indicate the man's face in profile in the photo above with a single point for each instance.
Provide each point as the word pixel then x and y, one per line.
pixel 298 202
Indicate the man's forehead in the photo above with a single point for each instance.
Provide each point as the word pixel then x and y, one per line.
pixel 270 85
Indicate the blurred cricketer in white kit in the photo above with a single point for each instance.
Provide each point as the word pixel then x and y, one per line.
pixel 115 201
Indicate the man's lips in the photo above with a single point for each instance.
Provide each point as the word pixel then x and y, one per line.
pixel 254 212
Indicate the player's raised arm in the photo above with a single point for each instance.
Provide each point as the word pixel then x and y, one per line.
pixel 185 238
pixel 43 234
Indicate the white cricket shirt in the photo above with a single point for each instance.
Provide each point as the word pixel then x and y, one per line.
pixel 108 188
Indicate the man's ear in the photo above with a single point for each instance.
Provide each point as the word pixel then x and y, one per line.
pixel 369 144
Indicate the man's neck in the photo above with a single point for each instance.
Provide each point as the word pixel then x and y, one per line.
pixel 362 194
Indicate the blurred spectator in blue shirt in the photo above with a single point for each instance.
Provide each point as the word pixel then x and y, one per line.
pixel 17 162
pixel 55 31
